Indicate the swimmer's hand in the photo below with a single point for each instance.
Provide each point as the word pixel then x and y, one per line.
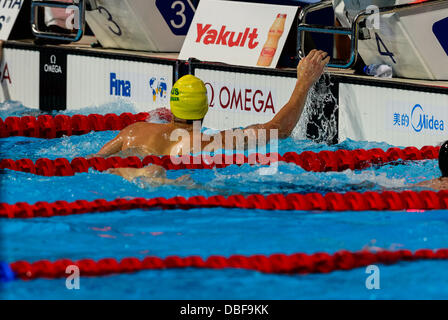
pixel 185 180
pixel 311 68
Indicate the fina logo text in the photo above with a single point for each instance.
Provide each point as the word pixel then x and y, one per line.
pixel 119 88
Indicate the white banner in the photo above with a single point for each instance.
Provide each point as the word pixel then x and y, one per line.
pixel 9 11
pixel 398 117
pixel 239 99
pixel 246 34
pixel 19 77
pixel 101 81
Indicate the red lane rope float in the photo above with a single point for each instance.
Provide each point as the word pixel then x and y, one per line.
pixel 299 263
pixel 323 161
pixel 49 127
pixel 350 201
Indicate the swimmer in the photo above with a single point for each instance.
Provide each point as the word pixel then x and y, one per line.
pixel 442 182
pixel 189 105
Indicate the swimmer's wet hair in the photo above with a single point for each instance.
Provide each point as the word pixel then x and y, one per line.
pixel 443 159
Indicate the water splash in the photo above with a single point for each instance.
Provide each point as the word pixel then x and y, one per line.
pixel 16 109
pixel 319 118
pixel 117 107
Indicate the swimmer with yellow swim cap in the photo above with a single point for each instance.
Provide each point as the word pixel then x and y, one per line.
pixel 189 106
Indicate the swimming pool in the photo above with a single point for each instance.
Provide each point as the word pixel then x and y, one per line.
pixel 215 231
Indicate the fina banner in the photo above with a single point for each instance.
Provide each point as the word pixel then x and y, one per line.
pixel 145 86
pixel 398 117
pixel 9 11
pixel 239 33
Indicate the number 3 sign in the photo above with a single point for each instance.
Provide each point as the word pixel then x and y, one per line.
pixel 178 14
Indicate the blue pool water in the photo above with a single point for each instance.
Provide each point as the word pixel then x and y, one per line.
pixel 205 232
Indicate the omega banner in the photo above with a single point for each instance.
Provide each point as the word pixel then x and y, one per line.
pixel 239 33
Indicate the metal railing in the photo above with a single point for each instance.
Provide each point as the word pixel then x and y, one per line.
pixel 78 7
pixel 357 32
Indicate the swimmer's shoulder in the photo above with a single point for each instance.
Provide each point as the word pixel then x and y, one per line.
pixel 146 126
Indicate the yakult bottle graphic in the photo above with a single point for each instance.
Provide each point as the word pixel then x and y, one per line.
pixel 270 47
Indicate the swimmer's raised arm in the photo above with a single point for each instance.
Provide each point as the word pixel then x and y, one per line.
pixel 309 70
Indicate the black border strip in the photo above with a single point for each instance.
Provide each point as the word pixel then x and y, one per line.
pixel 290 73
pixel 91 53
pixel 246 70
pixel 336 78
pixel 384 83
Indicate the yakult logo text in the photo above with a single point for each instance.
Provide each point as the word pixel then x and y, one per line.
pixel 243 99
pixel 207 35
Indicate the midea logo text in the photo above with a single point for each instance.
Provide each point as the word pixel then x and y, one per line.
pixel 418 120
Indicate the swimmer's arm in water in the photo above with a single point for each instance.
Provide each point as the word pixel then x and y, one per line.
pixel 114 146
pixel 309 70
pixel 436 184
pixel 153 175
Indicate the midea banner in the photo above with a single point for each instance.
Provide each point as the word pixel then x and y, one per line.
pixel 398 117
pixel 239 33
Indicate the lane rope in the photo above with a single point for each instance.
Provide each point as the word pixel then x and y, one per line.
pixel 51 127
pixel 323 161
pixel 350 201
pixel 299 263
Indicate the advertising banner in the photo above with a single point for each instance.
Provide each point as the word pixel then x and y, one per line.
pixel 241 99
pixel 398 117
pixel 145 85
pixel 19 77
pixel 9 11
pixel 239 33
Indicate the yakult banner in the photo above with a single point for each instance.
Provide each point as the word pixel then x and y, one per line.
pixel 398 117
pixel 9 11
pixel 239 99
pixel 246 34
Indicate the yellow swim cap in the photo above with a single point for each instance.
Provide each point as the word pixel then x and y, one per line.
pixel 189 98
